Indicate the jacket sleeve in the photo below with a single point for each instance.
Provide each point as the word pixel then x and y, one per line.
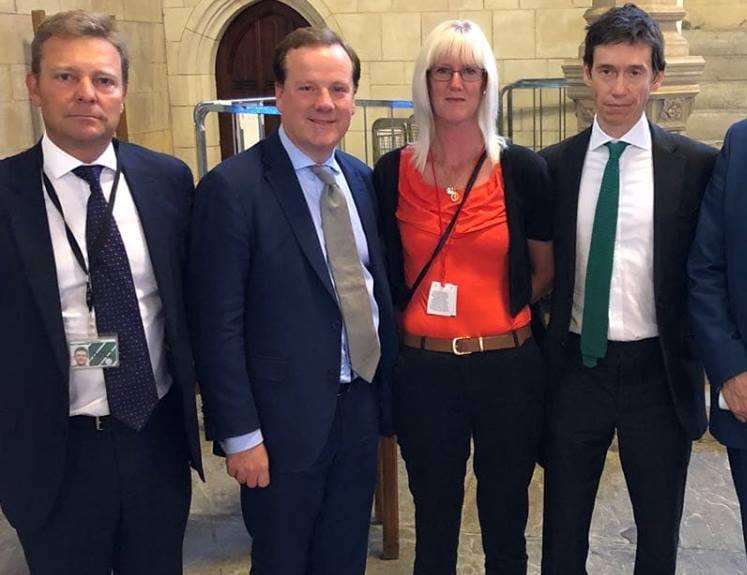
pixel 721 345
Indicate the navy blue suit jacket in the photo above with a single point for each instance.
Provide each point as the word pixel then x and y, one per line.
pixel 717 269
pixel 267 326
pixel 33 351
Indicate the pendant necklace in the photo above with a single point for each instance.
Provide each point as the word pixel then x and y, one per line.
pixel 450 190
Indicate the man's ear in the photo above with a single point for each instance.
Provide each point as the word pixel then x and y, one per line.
pixel 587 74
pixel 657 81
pixel 32 85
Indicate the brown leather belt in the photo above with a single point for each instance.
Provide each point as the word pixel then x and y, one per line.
pixel 467 345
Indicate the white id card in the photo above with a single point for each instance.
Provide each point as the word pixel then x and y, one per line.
pixel 91 352
pixel 442 299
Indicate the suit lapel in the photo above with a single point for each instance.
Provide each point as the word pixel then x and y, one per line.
pixel 669 167
pixel 281 177
pixel 572 166
pixel 30 227
pixel 146 190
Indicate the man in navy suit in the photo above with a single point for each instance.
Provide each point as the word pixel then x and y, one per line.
pixel 293 322
pixel 717 270
pixel 94 454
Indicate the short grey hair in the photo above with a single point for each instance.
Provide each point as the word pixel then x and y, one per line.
pixel 79 24
pixel 465 40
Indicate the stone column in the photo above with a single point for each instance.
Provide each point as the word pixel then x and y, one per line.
pixel 671 105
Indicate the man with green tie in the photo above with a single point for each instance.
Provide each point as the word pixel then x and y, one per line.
pixel 627 195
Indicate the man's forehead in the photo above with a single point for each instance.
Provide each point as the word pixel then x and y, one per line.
pixel 623 53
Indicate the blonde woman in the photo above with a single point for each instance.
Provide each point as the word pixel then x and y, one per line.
pixel 466 220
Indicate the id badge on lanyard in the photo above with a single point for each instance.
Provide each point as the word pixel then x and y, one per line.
pixel 90 350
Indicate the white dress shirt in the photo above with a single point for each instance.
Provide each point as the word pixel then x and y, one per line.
pixel 632 312
pixel 87 388
pixel 312 188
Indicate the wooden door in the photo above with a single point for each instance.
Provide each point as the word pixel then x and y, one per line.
pixel 243 67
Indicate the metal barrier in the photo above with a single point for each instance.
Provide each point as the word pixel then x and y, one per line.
pixel 377 138
pixel 540 111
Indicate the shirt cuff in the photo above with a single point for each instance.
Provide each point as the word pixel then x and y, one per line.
pixel 233 445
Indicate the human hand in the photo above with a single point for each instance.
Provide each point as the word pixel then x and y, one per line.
pixel 735 395
pixel 250 467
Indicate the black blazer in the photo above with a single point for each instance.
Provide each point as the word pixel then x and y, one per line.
pixel 33 351
pixel 682 168
pixel 267 325
pixel 528 211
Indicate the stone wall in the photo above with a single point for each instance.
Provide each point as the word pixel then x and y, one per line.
pixel 141 21
pixel 174 44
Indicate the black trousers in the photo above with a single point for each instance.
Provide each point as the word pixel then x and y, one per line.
pixel 442 401
pixel 123 503
pixel 316 521
pixel 738 464
pixel 626 392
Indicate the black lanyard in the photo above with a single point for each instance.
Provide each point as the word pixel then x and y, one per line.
pixel 96 244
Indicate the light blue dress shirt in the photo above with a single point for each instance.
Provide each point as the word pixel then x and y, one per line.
pixel 312 188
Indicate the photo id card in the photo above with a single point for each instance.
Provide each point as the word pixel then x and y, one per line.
pixel 94 352
pixel 442 300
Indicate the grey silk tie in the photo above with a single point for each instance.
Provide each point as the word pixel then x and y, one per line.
pixel 347 271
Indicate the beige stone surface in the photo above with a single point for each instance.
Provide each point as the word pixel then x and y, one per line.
pixel 159 141
pixel 26 6
pixel 388 73
pixel 7 6
pixel 16 125
pixel 500 4
pixel 514 33
pixel 363 32
pixel 545 3
pixel 6 91
pixel 189 90
pixel 559 32
pixel 429 20
pixel 419 5
pixel 374 5
pixel 174 22
pixel 521 69
pixel 400 36
pixel 16 33
pixel 401 92
pixel 143 11
pixel 465 4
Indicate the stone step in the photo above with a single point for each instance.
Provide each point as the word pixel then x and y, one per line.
pixel 724 67
pixel 731 96
pixel 711 125
pixel 716 42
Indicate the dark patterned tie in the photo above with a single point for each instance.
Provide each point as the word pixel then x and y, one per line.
pixel 131 387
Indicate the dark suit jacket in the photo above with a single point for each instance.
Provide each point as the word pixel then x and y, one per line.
pixel 33 351
pixel 266 323
pixel 718 280
pixel 681 171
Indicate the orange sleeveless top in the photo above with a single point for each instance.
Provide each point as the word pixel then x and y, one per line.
pixel 475 257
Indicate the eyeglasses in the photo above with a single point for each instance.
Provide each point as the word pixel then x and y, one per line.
pixel 467 74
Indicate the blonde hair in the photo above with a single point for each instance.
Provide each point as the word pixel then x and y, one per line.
pixel 465 40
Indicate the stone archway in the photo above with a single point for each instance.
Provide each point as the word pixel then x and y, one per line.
pixel 192 38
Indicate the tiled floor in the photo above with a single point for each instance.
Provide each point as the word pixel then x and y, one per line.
pixel 711 542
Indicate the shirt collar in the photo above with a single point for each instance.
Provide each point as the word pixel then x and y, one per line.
pixel 299 159
pixel 639 135
pixel 57 162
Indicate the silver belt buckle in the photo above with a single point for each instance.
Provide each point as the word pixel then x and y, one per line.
pixel 99 424
pixel 454 346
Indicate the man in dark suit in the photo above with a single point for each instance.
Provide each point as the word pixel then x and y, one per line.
pixel 293 322
pixel 717 269
pixel 627 197
pixel 95 460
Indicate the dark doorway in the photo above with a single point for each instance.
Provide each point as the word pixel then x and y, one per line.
pixel 243 67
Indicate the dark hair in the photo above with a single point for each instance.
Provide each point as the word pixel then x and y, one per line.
pixel 309 38
pixel 79 24
pixel 625 24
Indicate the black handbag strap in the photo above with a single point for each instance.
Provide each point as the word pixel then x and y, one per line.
pixel 447 232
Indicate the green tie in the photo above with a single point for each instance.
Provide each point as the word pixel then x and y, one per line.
pixel 599 266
